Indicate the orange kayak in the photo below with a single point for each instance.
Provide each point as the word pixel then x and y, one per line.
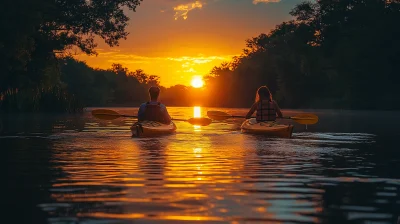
pixel 152 129
pixel 267 128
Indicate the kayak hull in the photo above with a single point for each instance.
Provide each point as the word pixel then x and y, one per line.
pixel 152 129
pixel 267 128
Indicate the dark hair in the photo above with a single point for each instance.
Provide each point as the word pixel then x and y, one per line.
pixel 154 92
pixel 263 93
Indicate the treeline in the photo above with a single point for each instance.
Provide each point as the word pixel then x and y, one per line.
pixel 98 87
pixel 82 86
pixel 37 33
pixel 37 75
pixel 333 54
pixel 118 86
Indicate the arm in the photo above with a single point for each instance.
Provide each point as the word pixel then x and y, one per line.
pixel 141 112
pixel 251 111
pixel 278 110
pixel 167 118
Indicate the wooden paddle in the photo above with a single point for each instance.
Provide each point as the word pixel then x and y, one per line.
pixel 299 118
pixel 105 114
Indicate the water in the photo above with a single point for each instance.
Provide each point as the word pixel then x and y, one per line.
pixel 77 169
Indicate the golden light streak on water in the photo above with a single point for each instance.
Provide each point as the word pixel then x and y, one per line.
pixel 217 174
pixel 197 113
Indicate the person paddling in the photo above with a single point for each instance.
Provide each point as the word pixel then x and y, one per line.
pixel 266 107
pixel 154 110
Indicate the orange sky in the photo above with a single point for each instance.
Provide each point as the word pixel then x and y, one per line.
pixel 179 39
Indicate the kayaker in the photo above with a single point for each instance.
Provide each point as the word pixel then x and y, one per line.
pixel 266 107
pixel 154 110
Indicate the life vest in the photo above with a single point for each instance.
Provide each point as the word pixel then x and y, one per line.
pixel 266 111
pixel 153 112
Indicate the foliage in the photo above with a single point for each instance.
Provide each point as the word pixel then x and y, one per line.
pixel 119 86
pixel 54 99
pixel 37 30
pixel 98 87
pixel 334 54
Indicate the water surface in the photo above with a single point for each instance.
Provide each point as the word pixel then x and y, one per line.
pixel 77 169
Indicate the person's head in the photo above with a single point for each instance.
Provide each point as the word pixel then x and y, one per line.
pixel 263 93
pixel 154 92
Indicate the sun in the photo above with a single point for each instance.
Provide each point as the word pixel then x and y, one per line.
pixel 197 82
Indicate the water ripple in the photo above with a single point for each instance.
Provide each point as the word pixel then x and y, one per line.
pixel 210 174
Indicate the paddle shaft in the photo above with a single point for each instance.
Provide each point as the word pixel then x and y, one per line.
pixel 237 116
pixel 123 115
pixel 300 118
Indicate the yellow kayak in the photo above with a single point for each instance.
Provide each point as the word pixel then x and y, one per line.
pixel 267 128
pixel 151 129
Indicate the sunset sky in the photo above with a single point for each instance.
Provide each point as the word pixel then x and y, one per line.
pixel 179 39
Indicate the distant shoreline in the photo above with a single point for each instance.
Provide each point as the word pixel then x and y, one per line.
pixel 231 108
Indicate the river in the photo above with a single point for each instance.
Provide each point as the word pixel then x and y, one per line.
pixel 78 169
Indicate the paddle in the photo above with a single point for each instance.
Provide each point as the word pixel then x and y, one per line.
pixel 105 114
pixel 299 118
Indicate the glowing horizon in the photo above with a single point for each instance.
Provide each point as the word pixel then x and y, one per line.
pixel 177 40
pixel 171 70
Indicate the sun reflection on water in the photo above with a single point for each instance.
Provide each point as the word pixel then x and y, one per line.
pixel 197 113
pixel 106 174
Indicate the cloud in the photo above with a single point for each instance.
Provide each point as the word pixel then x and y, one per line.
pixel 182 10
pixel 198 60
pixel 126 58
pixel 190 70
pixel 201 61
pixel 185 65
pixel 255 2
pixel 114 61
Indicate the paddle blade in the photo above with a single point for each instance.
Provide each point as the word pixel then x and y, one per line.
pixel 201 121
pixel 218 115
pixel 305 118
pixel 105 114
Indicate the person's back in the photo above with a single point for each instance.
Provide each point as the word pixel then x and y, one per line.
pixel 154 110
pixel 265 111
pixel 266 108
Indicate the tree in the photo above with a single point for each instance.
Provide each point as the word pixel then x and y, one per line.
pixel 335 54
pixel 358 41
pixel 153 80
pixel 50 27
